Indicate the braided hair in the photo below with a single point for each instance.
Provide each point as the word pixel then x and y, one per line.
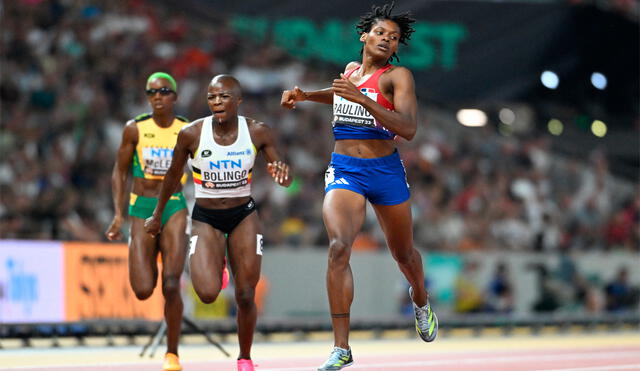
pixel 378 13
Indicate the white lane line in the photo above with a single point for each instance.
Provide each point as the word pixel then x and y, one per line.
pixel 596 368
pixel 456 360
pixel 485 360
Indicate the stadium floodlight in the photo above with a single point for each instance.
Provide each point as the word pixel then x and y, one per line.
pixel 472 117
pixel 507 116
pixel 599 128
pixel 550 80
pixel 599 81
pixel 555 127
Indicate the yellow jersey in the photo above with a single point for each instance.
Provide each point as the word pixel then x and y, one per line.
pixel 154 150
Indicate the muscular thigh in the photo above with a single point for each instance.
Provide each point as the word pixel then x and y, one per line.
pixel 143 249
pixel 396 223
pixel 245 251
pixel 173 244
pixel 207 247
pixel 343 213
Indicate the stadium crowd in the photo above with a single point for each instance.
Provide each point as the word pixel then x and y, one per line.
pixel 69 79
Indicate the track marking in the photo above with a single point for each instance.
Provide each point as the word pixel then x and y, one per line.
pixel 439 362
pixel 596 368
pixel 486 360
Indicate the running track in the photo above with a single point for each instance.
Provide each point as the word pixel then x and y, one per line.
pixel 590 352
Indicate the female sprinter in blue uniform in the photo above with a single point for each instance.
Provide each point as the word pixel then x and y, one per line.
pixel 223 148
pixel 373 101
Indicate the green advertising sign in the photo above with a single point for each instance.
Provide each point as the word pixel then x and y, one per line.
pixel 432 45
pixel 442 271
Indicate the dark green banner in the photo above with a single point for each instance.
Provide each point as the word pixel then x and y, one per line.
pixel 462 51
pixel 433 45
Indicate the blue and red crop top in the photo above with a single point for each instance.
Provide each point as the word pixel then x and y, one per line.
pixel 353 121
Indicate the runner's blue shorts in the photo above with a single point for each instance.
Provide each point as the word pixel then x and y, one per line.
pixel 382 180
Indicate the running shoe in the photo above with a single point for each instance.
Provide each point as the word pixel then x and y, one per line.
pixel 339 359
pixel 171 363
pixel 245 365
pixel 426 320
pixel 225 275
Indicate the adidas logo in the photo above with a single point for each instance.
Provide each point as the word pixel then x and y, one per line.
pixel 339 181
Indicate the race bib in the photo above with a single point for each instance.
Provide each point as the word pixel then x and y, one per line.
pixel 259 244
pixel 192 245
pixel 346 112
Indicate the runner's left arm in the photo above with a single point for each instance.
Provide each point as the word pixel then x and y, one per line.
pixel 277 168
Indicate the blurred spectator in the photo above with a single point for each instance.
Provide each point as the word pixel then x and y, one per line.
pixel 469 297
pixel 500 292
pixel 68 84
pixel 620 295
pixel 548 290
pixel 588 295
pixel 576 292
pixel 622 229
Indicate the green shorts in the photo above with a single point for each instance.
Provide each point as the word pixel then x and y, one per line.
pixel 142 207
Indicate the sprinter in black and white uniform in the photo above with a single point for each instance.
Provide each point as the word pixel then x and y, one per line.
pixel 223 148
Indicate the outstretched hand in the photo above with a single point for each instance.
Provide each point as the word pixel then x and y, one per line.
pixel 344 88
pixel 290 97
pixel 152 226
pixel 279 172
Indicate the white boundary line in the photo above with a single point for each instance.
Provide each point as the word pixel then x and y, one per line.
pixel 484 360
pixel 597 368
pixel 617 355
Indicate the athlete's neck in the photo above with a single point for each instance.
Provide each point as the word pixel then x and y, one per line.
pixel 163 119
pixel 225 127
pixel 370 64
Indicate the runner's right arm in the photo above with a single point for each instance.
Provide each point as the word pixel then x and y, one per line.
pixel 120 176
pixel 290 97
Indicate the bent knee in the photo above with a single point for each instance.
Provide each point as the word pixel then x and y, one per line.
pixel 208 294
pixel 143 292
pixel 339 251
pixel 170 285
pixel 245 297
pixel 208 297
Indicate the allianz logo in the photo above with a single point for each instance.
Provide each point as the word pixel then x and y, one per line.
pixel 239 153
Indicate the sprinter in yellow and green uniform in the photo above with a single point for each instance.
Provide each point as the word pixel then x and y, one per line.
pixel 145 152
pixel 151 160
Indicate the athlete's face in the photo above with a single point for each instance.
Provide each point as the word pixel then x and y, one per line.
pixel 161 95
pixel 223 98
pixel 382 40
